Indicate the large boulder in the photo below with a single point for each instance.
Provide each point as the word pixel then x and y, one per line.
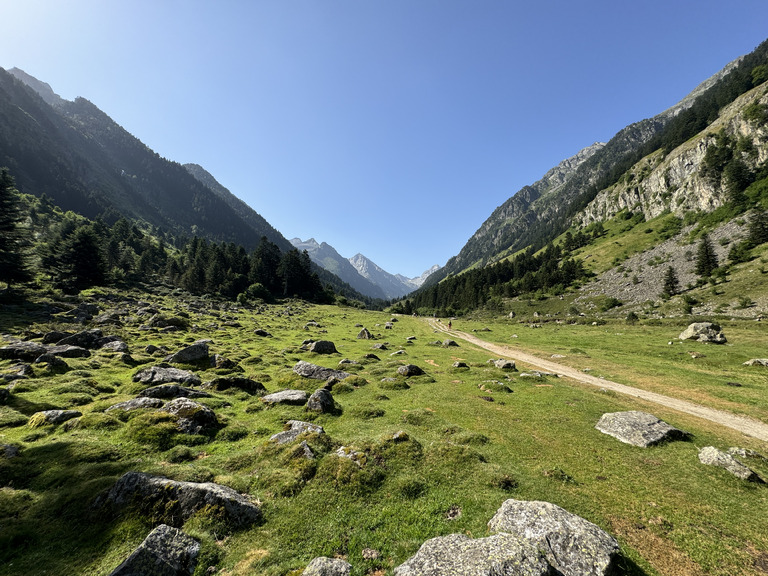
pixel 638 428
pixel 505 364
pixel 27 351
pixel 703 332
pixel 321 401
pixel 52 417
pixel 192 354
pixel 573 545
pixel 364 334
pixel 323 347
pixel 757 362
pixel 408 370
pixel 458 554
pixel 291 397
pixel 66 351
pixel 295 428
pixel 193 418
pixel 166 551
pixel 177 501
pixel 245 384
pixel 137 404
pixel 91 339
pixel 324 566
pixel 713 457
pixel 316 372
pixel 165 374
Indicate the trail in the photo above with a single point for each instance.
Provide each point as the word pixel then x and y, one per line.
pixel 743 424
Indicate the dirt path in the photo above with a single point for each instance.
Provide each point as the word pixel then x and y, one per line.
pixel 748 426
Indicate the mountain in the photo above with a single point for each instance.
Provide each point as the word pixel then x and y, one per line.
pixel 82 160
pixel 393 285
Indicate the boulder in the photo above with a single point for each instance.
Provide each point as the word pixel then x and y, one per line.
pixel 408 370
pixel 178 501
pixel 18 371
pixel 294 430
pixel 137 404
pixel 192 354
pixel 364 334
pixel 193 418
pixel 53 417
pixel 115 346
pixel 458 554
pixel 9 451
pixel 505 364
pixel 638 428
pixel 703 332
pixel 571 544
pixel 166 551
pixel 262 333
pixel 323 347
pixel 245 384
pixel 168 391
pixel 757 362
pixel 85 339
pixel 380 346
pixel 27 351
pixel 54 336
pixel 292 397
pixel 711 456
pixel 450 343
pixel 316 372
pixel 320 401
pixel 323 566
pixel 66 351
pixel 223 363
pixel 54 362
pixel 164 375
pixel 459 364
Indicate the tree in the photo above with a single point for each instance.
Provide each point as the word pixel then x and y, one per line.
pixel 82 260
pixel 671 283
pixel 14 266
pixel 706 259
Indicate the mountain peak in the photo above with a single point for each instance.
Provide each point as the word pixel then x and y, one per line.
pixel 42 88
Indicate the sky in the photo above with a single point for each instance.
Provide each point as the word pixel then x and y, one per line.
pixel 392 128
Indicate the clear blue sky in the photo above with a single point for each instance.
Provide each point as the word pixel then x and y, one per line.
pixel 387 127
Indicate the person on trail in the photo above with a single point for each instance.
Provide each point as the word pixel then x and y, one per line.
pixel 450 325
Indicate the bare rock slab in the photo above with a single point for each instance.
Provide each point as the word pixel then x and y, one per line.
pixel 166 551
pixel 309 370
pixel 713 457
pixel 573 545
pixel 638 428
pixel 295 428
pixel 292 397
pixel 323 566
pixel 178 501
pixel 163 375
pixel 458 554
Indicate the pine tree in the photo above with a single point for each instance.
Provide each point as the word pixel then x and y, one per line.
pixel 706 259
pixel 14 265
pixel 671 283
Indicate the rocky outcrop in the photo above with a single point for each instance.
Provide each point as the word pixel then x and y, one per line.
pixel 704 332
pixel 166 551
pixel 713 457
pixel 638 428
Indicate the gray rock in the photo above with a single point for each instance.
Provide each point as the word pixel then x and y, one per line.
pixel 638 428
pixel 292 397
pixel 54 362
pixel 178 501
pixel 245 384
pixel 18 372
pixel 703 332
pixel 323 347
pixel 168 391
pixel 320 401
pixel 5 395
pixel 757 362
pixel 85 339
pixel 365 334
pixel 66 351
pixel 54 336
pixel 388 326
pixel 192 354
pixel 262 333
pixel 166 551
pixel 573 545
pixel 164 375
pixel 713 457
pixel 27 351
pixel 450 343
pixel 316 372
pixel 323 566
pixel 115 346
pixel 9 451
pixel 408 370
pixel 459 555
pixel 137 404
pixel 295 429
pixel 380 346
pixel 193 418
pixel 53 416
pixel 505 364
pixel 459 364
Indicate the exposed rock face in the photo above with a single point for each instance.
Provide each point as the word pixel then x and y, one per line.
pixel 704 332
pixel 294 397
pixel 193 418
pixel 328 567
pixel 245 384
pixel 458 554
pixel 164 375
pixel 320 401
pixel 573 545
pixel 178 501
pixel 638 428
pixel 166 551
pixel 192 354
pixel 713 457
pixel 295 429
pixel 316 372
pixel 410 370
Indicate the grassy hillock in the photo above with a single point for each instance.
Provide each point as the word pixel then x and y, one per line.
pixel 469 442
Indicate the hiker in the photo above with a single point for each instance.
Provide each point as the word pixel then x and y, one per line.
pixel 450 325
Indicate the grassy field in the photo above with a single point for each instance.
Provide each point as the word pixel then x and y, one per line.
pixel 473 438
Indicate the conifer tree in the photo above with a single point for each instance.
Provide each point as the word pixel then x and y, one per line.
pixel 706 259
pixel 13 255
pixel 671 283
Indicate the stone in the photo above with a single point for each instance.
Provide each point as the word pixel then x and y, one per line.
pixel 65 351
pixel 323 347
pixel 85 339
pixel 177 501
pixel 262 333
pixel 166 551
pixel 18 371
pixel 364 334
pixel 53 417
pixel 140 403
pixel 27 351
pixel 505 364
pixel 356 456
pixel 388 326
pixel 54 336
pixel 321 401
pixel 115 346
pixel 292 397
pixel 458 554
pixel 757 362
pixel 192 354
pixel 459 364
pixel 711 456
pixel 703 332
pixel 638 428
pixel 193 418
pixel 408 370
pixel 164 375
pixel 571 544
pixel 54 362
pixel 316 372
pixel 168 391
pixel 223 363
pixel 295 429
pixel 245 384
pixel 380 346
pixel 323 566
pixel 450 343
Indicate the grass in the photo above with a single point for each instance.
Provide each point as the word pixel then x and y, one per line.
pixel 439 454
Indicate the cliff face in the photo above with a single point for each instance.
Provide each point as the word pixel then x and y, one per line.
pixel 679 182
